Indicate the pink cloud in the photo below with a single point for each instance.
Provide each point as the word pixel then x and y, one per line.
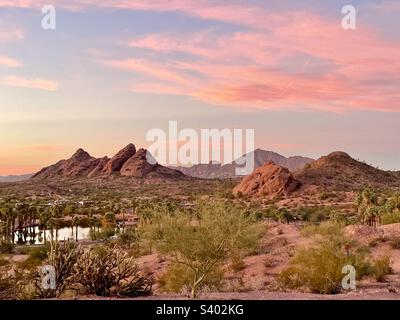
pixel 31 83
pixel 329 68
pixel 9 62
pixel 10 35
pixel 150 68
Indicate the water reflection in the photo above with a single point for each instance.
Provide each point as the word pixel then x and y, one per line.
pixel 37 236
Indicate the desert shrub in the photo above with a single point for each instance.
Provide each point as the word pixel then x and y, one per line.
pixel 128 236
pixel 319 268
pixel 324 195
pixel 201 239
pixel 7 286
pixel 110 272
pixel 394 242
pixel 390 217
pixel 282 215
pixel 6 247
pixel 326 228
pixel 103 234
pixel 237 264
pixel 62 256
pixel 3 261
pixel 381 267
pixel 178 279
pixel 313 214
pixel 35 256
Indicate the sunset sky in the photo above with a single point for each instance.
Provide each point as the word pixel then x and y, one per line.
pixel 114 69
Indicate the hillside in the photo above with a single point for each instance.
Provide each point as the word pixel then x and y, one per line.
pixel 15 178
pixel 339 171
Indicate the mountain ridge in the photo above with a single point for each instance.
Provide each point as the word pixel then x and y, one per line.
pixel 216 170
pixel 82 164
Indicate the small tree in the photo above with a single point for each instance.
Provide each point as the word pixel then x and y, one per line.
pixel 202 239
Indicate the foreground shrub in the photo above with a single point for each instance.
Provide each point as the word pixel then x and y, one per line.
pixel 319 268
pixel 6 247
pixel 178 279
pixel 7 286
pixel 326 228
pixel 110 272
pixel 390 217
pixel 36 255
pixel 381 267
pixel 314 214
pixel 200 240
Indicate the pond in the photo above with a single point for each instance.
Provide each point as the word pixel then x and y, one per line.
pixel 38 236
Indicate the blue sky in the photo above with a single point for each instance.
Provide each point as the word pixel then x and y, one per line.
pixel 112 70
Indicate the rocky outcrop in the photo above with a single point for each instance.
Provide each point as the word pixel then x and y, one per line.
pixel 137 166
pixel 142 164
pixel 80 164
pixel 126 162
pixel 267 181
pixel 115 163
pixel 99 168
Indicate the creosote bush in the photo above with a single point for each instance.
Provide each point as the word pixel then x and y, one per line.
pixel 110 272
pixel 319 268
pixel 381 267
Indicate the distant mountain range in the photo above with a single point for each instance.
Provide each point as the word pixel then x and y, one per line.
pixel 15 178
pixel 216 170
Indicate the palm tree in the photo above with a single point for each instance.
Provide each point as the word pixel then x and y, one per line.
pixel 368 206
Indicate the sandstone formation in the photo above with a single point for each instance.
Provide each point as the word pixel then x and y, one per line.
pixel 126 162
pixel 115 163
pixel 267 181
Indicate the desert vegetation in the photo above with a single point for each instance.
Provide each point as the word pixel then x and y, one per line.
pixel 126 238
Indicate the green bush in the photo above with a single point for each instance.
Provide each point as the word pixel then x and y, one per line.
pixel 326 228
pixel 282 215
pixel 314 214
pixel 178 279
pixel 3 261
pixel 103 234
pixel 35 256
pixel 202 239
pixel 319 268
pixel 6 247
pixel 381 267
pixel 128 236
pixel 7 287
pixel 391 217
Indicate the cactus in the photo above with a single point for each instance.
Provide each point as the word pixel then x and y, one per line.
pixel 110 272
